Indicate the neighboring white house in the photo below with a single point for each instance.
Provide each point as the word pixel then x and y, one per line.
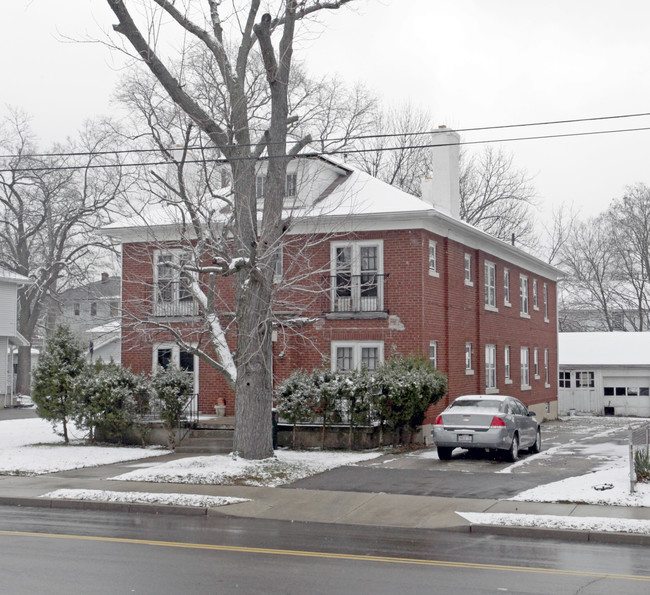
pixel 105 342
pixel 10 338
pixel 604 373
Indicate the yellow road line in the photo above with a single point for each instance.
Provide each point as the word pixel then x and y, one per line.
pixel 329 555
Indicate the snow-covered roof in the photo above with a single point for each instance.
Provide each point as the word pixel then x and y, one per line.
pixel 7 275
pixel 604 349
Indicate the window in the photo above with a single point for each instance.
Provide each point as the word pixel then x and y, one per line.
pixel 490 285
pixel 279 266
pixel 506 363
pixel 93 309
pixel 536 362
pixel 468 357
pixel 433 353
pixel 433 258
pixel 491 367
pixel 114 308
pixel 545 289
pixel 546 376
pixel 168 354
pixel 348 355
pixel 525 371
pixel 468 269
pixel 627 391
pixel 291 185
pixel 357 279
pixel 584 380
pixel 565 379
pixel 618 321
pixel 172 285
pixel 523 295
pixel 506 287
pixel 535 304
pixel 260 183
pixel 76 308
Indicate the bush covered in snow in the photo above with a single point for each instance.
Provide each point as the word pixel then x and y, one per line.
pixel 394 397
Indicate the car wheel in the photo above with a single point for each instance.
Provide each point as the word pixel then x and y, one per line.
pixel 444 453
pixel 537 446
pixel 513 451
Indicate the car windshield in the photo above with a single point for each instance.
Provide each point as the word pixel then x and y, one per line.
pixel 477 403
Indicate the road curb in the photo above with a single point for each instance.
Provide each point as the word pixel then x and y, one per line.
pixel 563 534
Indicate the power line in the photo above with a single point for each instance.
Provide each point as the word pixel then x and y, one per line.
pixel 350 138
pixel 336 152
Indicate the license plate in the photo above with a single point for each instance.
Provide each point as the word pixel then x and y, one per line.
pixel 465 438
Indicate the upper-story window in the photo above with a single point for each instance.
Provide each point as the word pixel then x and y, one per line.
pixel 76 308
pixel 490 285
pixel 433 258
pixel 433 353
pixel 545 289
pixel 523 295
pixel 172 284
pixel 468 357
pixel 93 308
pixel 357 280
pixel 535 300
pixel 468 269
pixel 506 287
pixel 290 187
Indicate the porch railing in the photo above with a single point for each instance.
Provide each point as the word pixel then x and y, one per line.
pixel 357 293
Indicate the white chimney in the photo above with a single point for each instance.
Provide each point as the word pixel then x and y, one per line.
pixel 441 187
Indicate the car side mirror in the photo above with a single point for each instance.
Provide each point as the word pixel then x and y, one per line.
pixel 531 414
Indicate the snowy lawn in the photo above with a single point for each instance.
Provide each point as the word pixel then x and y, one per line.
pixel 287 467
pixel 30 447
pixel 144 498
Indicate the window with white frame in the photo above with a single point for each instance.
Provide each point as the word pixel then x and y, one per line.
pixel 584 379
pixel 357 280
pixel 490 367
pixel 468 269
pixel 523 295
pixel 565 379
pixel 490 285
pixel 546 376
pixel 170 354
pixel 506 287
pixel 535 301
pixel 291 185
pixel 506 363
pixel 525 370
pixel 536 362
pixel 172 284
pixel 433 353
pixel 355 355
pixel 433 258
pixel 468 357
pixel 545 290
pixel 278 269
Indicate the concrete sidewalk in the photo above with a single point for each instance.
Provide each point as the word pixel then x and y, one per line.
pixel 320 506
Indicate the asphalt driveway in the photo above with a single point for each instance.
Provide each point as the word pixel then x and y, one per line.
pixel 570 447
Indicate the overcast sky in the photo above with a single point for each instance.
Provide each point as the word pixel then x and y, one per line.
pixel 470 62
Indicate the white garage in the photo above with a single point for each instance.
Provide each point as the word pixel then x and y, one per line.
pixel 604 373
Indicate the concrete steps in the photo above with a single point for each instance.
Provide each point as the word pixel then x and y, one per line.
pixel 212 436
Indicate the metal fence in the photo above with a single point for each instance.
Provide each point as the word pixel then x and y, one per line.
pixel 639 442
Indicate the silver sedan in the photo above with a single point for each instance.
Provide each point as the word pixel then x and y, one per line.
pixel 489 422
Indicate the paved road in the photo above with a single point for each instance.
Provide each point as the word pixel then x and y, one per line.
pixel 58 552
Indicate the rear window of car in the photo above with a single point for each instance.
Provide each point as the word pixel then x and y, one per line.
pixel 480 403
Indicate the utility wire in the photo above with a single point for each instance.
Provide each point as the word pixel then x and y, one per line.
pixel 331 153
pixel 349 139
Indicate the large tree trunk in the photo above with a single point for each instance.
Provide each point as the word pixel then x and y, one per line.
pixel 23 379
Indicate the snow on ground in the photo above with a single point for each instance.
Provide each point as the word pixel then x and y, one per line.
pixel 30 447
pixel 286 467
pixel 545 521
pixel 144 498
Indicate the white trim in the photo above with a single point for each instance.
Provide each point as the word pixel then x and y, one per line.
pixel 176 350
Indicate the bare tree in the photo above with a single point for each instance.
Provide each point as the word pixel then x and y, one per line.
pixel 233 132
pixel 49 205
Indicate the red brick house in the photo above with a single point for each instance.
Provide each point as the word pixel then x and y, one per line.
pixel 382 272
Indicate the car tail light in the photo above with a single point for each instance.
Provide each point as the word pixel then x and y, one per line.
pixel 497 422
pixel 438 421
